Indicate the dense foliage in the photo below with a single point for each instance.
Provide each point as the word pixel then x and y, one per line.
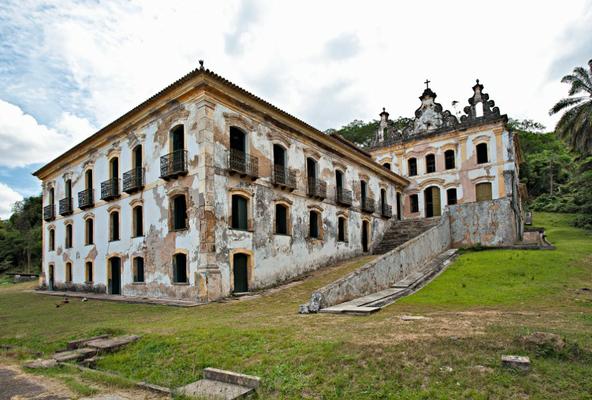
pixel 361 132
pixel 20 237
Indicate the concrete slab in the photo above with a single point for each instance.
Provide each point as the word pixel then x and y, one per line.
pixel 519 362
pixel 112 344
pixel 75 355
pixel 210 389
pixel 76 344
pixel 119 298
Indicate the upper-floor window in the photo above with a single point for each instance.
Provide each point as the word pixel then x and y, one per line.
pixel 114 226
pixel 240 214
pixel 138 221
pixel 387 165
pixel 68 237
pixel 114 168
pixel 180 268
pixel 88 179
pixel 89 231
pixel 51 241
pixel 179 212
pixel 51 196
pixel 412 166
pixel 138 267
pixel 430 160
pixel 451 196
pixel 449 159
pixel 363 192
pixel 341 229
pixel 314 224
pixel 137 157
pixel 68 188
pixel 482 156
pixel 483 191
pixel 414 203
pixel 281 219
pixel 177 138
pixel 238 140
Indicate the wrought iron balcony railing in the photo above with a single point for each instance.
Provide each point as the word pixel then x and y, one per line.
pixel 386 211
pixel 66 206
pixel 49 212
pixel 133 180
pixel 317 188
pixel 284 177
pixel 243 164
pixel 368 205
pixel 173 164
pixel 86 198
pixel 343 197
pixel 110 189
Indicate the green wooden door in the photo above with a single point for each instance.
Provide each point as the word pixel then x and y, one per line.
pixel 240 273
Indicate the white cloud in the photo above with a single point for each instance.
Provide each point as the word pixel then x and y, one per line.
pixel 7 198
pixel 24 141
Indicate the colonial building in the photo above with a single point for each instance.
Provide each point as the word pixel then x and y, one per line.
pixel 204 190
pixel 449 161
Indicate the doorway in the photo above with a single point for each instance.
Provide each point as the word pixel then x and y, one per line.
pixel 365 241
pixel 51 280
pixel 114 280
pixel 239 269
pixel 432 202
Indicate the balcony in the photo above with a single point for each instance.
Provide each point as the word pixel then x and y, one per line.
pixel 173 164
pixel 49 212
pixel 133 180
pixel 386 211
pixel 86 199
pixel 343 197
pixel 66 206
pixel 317 188
pixel 110 189
pixel 284 178
pixel 368 204
pixel 243 164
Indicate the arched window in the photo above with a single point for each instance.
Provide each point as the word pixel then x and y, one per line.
pixel 483 191
pixel 280 172
pixel 451 196
pixel 138 221
pixel 341 229
pixel 138 269
pixel 137 157
pixel 314 231
pixel 311 175
pixel 69 236
pixel 114 168
pixel 68 272
pixel 430 160
pixel 180 268
pixel 387 165
pixel 412 166
pixel 449 159
pixel 89 231
pixel 114 226
pixel 240 212
pixel 414 203
pixel 179 212
pixel 281 219
pixel 51 196
pixel 51 241
pixel 88 272
pixel 482 156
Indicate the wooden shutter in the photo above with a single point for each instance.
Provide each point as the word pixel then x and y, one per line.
pixel 483 191
pixel 437 209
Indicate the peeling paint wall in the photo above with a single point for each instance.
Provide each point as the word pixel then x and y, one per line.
pixel 486 223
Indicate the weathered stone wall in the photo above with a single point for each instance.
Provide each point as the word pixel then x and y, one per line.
pixel 486 223
pixel 382 272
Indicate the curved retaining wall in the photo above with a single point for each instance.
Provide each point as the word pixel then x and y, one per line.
pixel 384 271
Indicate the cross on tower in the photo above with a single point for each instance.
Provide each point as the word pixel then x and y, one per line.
pixel 427 83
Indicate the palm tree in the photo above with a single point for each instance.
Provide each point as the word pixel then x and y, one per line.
pixel 575 126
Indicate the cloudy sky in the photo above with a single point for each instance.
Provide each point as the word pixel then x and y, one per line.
pixel 68 68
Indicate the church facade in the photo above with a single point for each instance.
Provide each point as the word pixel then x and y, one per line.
pixel 205 190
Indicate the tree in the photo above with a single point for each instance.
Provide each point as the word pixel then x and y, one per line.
pixel 575 126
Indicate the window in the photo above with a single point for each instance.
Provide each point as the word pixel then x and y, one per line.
pixel 482 153
pixel 88 273
pixel 114 224
pixel 89 231
pixel 137 156
pixel 51 196
pixel 313 231
pixel 88 179
pixel 68 188
pixel 177 138
pixel 239 212
pixel 363 192
pixel 114 167
pixel 138 268
pixel 451 196
pixel 138 223
pixel 68 241
pixel 179 213
pixel 51 241
pixel 414 200
pixel 68 272
pixel 412 166
pixel 383 202
pixel 238 140
pixel 180 268
pixel 387 165
pixel 449 159
pixel 281 219
pixel 483 191
pixel 430 160
pixel 338 180
pixel 341 229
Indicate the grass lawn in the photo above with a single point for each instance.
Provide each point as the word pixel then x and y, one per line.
pixel 477 309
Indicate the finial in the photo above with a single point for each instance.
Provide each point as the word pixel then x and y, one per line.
pixel 383 109
pixel 201 66
pixel 427 83
pixel 477 81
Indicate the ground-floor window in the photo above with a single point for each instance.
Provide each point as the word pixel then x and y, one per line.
pixel 88 273
pixel 138 268
pixel 240 215
pixel 314 219
pixel 281 219
pixel 483 191
pixel 68 272
pixel 414 203
pixel 341 229
pixel 451 196
pixel 180 268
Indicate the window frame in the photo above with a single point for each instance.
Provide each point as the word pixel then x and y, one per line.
pixel 448 158
pixel 414 203
pixel 113 237
pixel 135 221
pixel 176 269
pixel 409 164
pixel 287 219
pixel 88 267
pixel 135 273
pixel 173 213
pixel 69 236
pixel 478 159
pixel 430 163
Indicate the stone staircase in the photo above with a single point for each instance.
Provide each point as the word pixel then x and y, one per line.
pixel 403 231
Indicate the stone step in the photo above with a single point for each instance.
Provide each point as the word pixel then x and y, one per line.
pixel 220 384
pixel 75 355
pixel 111 344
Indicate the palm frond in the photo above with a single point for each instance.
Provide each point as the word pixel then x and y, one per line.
pixel 584 74
pixel 577 84
pixel 564 103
